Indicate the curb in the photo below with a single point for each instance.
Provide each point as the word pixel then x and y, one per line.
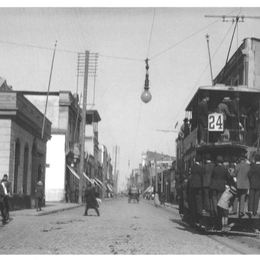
pixel 43 213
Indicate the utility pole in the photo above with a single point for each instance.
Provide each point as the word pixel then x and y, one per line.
pixel 49 84
pixel 115 168
pixel 83 124
pixel 156 176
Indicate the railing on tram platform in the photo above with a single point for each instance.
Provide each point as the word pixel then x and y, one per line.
pixel 233 136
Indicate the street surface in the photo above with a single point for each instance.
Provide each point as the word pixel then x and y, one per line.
pixel 122 228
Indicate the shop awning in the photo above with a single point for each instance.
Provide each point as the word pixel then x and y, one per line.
pixel 95 181
pixel 109 187
pixel 149 189
pixel 73 172
pixel 90 180
pixel 100 182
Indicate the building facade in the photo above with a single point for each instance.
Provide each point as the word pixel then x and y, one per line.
pixel 63 155
pixel 23 145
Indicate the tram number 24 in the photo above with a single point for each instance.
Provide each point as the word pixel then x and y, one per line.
pixel 215 122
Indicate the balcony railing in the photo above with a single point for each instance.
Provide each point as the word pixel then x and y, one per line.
pixel 233 136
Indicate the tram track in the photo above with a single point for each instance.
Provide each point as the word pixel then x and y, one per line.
pixel 239 244
pixel 236 245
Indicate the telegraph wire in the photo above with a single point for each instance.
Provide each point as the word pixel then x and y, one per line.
pixel 203 71
pixel 150 36
pixel 186 38
pixel 28 45
pixel 181 41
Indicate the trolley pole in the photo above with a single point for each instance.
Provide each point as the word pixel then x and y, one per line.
pixel 210 65
pixel 83 125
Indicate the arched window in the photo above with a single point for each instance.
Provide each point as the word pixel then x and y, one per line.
pixel 25 168
pixel 16 164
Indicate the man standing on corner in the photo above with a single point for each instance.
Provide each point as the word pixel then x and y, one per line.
pixel 7 190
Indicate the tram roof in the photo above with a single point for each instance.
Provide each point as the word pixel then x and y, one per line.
pixel 221 88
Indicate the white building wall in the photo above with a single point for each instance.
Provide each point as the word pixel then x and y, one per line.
pixel 55 172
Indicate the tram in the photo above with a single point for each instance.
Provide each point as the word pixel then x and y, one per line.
pixel 230 137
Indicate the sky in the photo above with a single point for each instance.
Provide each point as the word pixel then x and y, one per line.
pixel 173 39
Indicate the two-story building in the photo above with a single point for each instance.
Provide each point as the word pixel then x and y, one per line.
pixel 22 145
pixel 62 162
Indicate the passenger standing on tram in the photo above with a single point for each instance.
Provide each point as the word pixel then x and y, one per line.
pixel 208 169
pixel 254 183
pixel 203 118
pixel 242 170
pixel 218 181
pixel 223 108
pixel 234 109
pixel 195 184
pixel 232 182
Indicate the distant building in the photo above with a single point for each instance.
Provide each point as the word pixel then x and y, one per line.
pixel 107 169
pixel 152 163
pixel 22 148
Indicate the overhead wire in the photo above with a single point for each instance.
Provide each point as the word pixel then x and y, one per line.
pixel 181 41
pixel 186 38
pixel 150 36
pixel 203 71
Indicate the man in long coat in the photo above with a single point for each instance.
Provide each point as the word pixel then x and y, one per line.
pixel 91 201
pixel 7 193
pixel 195 185
pixel 2 205
pixel 219 179
pixel 208 169
pixel 242 170
pixel 254 192
pixel 203 118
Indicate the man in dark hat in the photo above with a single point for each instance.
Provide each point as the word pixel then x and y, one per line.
pixel 7 193
pixel 219 179
pixel 208 169
pixel 234 109
pixel 203 118
pixel 254 183
pixel 195 184
pixel 242 170
pixel 91 200
pixel 185 128
pixel 223 108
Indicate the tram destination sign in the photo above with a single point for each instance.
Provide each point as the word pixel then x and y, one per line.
pixel 215 122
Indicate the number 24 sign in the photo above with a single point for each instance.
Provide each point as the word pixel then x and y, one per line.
pixel 215 122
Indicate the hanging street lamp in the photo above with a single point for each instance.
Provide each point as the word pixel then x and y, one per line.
pixel 146 95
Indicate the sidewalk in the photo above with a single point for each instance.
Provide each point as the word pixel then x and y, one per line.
pixel 50 208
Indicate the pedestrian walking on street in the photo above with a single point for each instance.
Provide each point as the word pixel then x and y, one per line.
pixel 6 185
pixel 39 195
pixel 91 200
pixel 156 200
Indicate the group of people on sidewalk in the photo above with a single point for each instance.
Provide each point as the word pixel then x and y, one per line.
pixel 218 187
